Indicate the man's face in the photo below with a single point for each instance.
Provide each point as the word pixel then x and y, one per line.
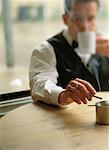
pixel 82 17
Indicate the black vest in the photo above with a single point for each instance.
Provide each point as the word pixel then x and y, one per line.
pixel 69 65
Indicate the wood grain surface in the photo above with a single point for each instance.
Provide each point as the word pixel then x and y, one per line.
pixel 45 127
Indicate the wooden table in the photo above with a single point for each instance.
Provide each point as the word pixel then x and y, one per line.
pixel 44 127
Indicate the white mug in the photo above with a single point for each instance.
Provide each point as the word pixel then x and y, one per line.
pixel 87 42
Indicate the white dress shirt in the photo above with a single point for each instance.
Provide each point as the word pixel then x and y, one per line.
pixel 43 73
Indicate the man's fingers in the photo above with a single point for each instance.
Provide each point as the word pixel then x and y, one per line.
pixel 77 94
pixel 87 85
pixel 81 87
pixel 77 90
pixel 102 42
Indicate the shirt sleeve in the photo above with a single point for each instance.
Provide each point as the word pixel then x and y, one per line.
pixel 43 75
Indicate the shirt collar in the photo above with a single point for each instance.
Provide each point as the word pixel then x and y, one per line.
pixel 67 36
pixel 69 39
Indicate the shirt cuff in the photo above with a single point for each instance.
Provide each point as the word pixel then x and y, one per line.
pixel 52 92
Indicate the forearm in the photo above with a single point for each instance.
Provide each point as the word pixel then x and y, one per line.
pixel 46 91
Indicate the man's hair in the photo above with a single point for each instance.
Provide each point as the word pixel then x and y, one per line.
pixel 69 3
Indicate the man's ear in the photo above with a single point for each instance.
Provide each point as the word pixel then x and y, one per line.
pixel 65 19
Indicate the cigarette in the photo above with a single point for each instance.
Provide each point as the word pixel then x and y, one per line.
pixel 98 97
pixel 91 105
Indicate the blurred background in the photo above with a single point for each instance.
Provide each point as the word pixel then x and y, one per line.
pixel 23 25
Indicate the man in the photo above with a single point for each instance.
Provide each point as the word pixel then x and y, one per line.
pixel 57 74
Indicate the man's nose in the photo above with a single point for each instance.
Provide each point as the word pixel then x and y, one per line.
pixel 85 25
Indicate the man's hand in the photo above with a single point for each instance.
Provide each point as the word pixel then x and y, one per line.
pixel 102 46
pixel 79 91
